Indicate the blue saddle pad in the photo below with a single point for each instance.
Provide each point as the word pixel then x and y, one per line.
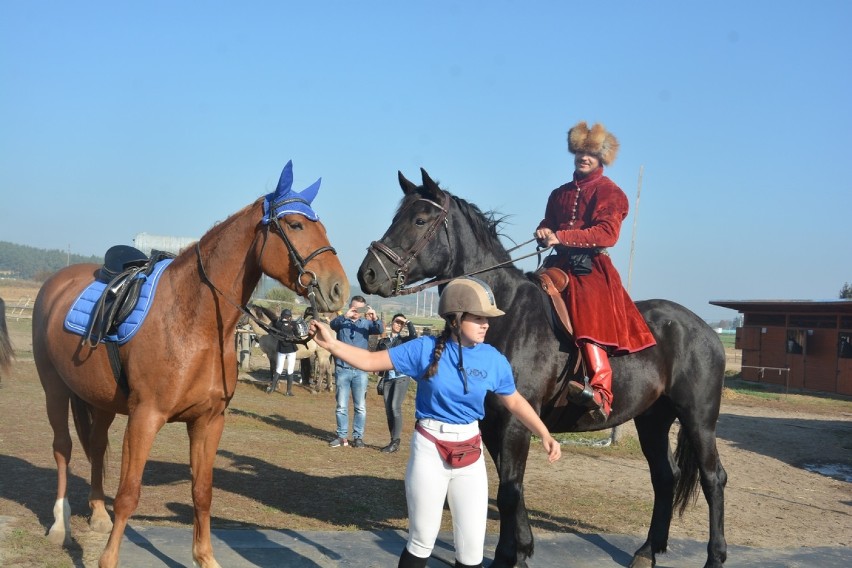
pixel 80 314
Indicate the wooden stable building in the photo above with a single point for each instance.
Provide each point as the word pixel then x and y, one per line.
pixel 797 344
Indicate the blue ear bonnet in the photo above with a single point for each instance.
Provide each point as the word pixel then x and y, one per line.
pixel 285 201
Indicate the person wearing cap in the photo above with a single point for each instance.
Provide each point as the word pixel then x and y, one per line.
pixel 454 372
pixel 354 330
pixel 286 354
pixel 582 219
pixel 395 385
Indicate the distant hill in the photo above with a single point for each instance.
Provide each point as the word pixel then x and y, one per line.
pixel 30 263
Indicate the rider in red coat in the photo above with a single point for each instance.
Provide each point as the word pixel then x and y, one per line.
pixel 583 218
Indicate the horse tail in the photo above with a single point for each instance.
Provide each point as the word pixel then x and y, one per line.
pixel 686 488
pixel 83 420
pixel 6 351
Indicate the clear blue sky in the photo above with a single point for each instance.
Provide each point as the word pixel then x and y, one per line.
pixel 165 117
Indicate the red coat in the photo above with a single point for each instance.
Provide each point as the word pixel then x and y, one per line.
pixel 587 214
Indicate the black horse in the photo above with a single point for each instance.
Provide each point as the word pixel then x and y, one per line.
pixel 437 235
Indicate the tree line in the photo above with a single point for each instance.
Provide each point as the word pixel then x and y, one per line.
pixel 30 263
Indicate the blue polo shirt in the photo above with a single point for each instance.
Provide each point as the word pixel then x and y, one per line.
pixel 442 397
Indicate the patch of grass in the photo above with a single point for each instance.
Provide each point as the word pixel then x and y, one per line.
pixel 738 391
pixel 597 443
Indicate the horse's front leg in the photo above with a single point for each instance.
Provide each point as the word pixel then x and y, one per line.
pixel 515 543
pixel 100 521
pixel 204 436
pixel 142 427
pixel 653 431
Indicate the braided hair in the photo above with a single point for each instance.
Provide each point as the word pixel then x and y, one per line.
pixel 451 327
pixel 440 343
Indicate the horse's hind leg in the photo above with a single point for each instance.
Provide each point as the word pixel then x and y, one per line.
pixel 142 427
pixel 698 435
pixel 57 397
pixel 653 433
pixel 204 436
pixel 100 521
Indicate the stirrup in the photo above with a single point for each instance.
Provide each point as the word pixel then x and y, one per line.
pixel 584 394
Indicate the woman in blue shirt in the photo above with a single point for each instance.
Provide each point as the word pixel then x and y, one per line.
pixel 454 371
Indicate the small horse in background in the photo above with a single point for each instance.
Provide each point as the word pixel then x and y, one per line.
pixel 437 235
pixel 181 366
pixel 7 354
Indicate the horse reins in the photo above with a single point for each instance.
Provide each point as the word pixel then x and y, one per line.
pixel 297 259
pixel 401 273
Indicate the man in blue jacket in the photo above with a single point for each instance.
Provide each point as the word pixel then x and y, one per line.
pixel 355 330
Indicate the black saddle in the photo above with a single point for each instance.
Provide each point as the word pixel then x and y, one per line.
pixel 121 271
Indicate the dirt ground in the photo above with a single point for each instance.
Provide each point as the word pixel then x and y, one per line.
pixel 275 470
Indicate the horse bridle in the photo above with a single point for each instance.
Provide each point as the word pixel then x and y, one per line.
pixel 403 264
pixel 401 273
pixel 300 263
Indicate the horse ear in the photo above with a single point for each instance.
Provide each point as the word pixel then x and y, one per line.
pixel 310 192
pixel 429 184
pixel 407 186
pixel 285 182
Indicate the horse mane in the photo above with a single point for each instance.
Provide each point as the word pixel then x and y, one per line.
pixel 485 225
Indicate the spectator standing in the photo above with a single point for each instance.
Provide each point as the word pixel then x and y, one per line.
pixel 286 352
pixel 395 385
pixel 352 329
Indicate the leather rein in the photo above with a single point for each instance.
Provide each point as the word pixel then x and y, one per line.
pixel 401 273
pixel 300 263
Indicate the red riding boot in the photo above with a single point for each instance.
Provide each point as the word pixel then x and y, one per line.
pixel 597 392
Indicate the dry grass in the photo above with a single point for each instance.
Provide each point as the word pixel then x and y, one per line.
pixel 275 470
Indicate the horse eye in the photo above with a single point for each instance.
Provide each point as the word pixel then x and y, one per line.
pixel 419 222
pixel 295 225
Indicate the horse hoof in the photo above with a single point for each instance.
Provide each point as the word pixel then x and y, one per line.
pixel 103 526
pixel 642 562
pixel 58 537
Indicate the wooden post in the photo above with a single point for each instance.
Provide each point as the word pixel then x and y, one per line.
pixel 617 433
pixel 244 349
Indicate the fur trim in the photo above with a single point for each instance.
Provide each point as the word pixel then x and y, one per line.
pixel 596 141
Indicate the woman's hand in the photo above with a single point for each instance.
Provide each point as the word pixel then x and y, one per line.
pixel 323 334
pixel 552 447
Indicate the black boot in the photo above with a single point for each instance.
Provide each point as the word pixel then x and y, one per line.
pixel 408 560
pixel 271 388
pixel 391 448
pixel 289 385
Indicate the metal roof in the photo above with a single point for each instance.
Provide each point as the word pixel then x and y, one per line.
pixel 787 306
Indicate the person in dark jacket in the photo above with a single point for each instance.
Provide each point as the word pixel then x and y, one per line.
pixel 286 352
pixel 395 385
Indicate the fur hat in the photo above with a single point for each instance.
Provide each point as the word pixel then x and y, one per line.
pixel 596 141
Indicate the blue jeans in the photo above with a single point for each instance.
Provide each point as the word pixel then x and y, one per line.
pixel 354 381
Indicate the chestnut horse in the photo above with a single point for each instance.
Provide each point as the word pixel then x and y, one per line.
pixel 181 365
pixel 437 235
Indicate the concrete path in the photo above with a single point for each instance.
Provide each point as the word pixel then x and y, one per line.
pixel 150 547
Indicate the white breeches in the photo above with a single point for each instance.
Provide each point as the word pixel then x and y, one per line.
pixel 290 358
pixel 429 481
